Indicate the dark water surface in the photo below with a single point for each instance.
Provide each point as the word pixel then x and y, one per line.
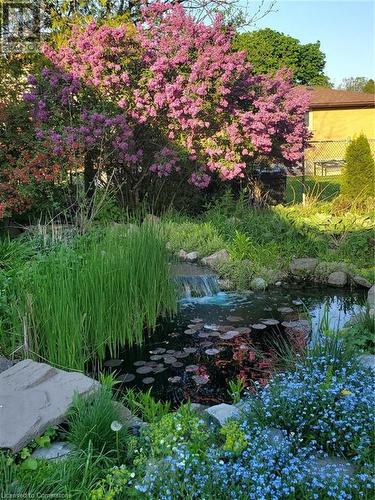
pixel 180 361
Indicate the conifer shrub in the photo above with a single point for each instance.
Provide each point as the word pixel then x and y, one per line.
pixel 359 171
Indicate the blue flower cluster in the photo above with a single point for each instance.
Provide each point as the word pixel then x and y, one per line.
pixel 287 435
pixel 332 409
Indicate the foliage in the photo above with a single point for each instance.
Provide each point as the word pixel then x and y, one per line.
pixel 90 419
pixel 268 51
pixel 359 171
pixel 192 111
pixel 357 84
pixel 144 405
pixel 101 292
pixel 360 333
pixel 235 389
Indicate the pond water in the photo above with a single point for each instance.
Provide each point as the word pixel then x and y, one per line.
pixel 222 336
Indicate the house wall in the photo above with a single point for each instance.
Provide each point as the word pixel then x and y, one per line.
pixel 328 124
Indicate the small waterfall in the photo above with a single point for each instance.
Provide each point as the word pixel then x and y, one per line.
pixel 195 281
pixel 205 285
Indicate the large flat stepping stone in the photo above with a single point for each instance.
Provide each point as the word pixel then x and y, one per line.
pixel 33 397
pixel 219 414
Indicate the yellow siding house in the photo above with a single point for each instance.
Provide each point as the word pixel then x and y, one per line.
pixel 335 117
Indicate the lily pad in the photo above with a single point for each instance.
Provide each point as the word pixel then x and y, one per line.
pixel 159 350
pixel 148 380
pixel 160 369
pixel 181 355
pixel 174 380
pixel 203 335
pixel 192 368
pixel 139 363
pixel 144 369
pixel 190 350
pixel 229 335
pixel 190 331
pixel 285 310
pixel 212 352
pixel 171 351
pixel 169 360
pixel 243 329
pixel 234 319
pixel 297 302
pixel 258 326
pixel 270 322
pixel 206 344
pixel 156 357
pixel 197 320
pixel 178 364
pixel 112 363
pixel 126 378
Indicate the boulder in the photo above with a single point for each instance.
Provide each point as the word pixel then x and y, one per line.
pixel 219 414
pixel 5 364
pixel 303 267
pixel 57 450
pixel 367 360
pixel 192 257
pixel 182 254
pixel 326 467
pixel 371 297
pixel 258 284
pixel 215 258
pixel 35 396
pixel 338 278
pixel 361 281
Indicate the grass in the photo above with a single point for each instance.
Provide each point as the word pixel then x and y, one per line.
pixel 263 242
pixel 325 188
pixel 75 302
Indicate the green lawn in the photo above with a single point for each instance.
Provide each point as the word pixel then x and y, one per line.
pixel 325 188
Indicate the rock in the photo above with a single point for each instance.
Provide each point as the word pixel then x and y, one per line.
pixel 225 285
pixel 303 267
pixel 258 284
pixel 182 254
pixel 216 258
pixel 57 450
pixel 275 436
pixel 338 278
pixel 5 364
pixel 198 408
pixel 325 467
pixel 371 297
pixel 35 396
pixel 127 418
pixel 367 360
pixel 219 414
pixel 361 281
pixel 192 257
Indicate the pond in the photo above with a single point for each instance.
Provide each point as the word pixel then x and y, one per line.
pixel 222 336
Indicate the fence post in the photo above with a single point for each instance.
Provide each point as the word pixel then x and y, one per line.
pixel 303 180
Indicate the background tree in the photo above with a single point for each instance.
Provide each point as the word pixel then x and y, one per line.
pixel 167 97
pixel 268 51
pixel 359 174
pixel 357 84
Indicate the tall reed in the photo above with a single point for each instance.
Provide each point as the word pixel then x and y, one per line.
pixel 77 302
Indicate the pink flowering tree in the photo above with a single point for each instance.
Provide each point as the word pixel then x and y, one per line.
pixel 163 99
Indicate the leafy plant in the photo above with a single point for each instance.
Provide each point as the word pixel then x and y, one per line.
pixel 359 171
pixel 235 389
pixel 144 405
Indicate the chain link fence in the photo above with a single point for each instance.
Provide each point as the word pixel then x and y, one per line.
pixel 325 158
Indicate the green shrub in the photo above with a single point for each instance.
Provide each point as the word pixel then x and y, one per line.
pixel 358 174
pixel 90 420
